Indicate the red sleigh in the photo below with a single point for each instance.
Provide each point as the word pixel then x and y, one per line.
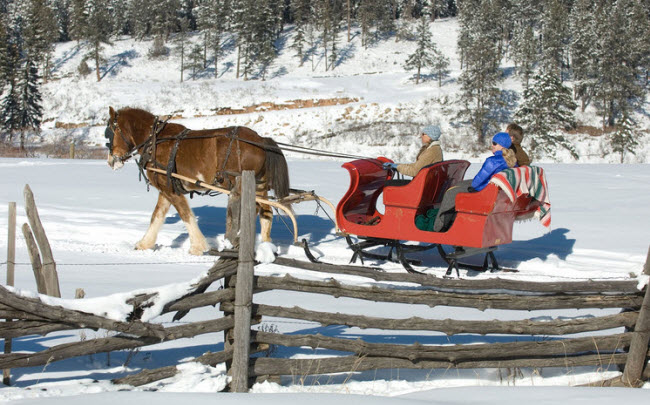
pixel 484 219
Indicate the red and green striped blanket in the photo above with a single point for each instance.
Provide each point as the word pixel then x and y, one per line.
pixel 526 180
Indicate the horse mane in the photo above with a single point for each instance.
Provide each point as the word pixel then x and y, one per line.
pixel 135 114
pixel 136 120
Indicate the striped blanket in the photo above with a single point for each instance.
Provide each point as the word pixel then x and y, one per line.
pixel 526 180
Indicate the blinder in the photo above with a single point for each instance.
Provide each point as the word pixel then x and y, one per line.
pixel 109 134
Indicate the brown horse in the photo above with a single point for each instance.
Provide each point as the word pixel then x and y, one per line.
pixel 213 156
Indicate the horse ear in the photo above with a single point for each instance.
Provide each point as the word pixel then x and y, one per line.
pixel 111 113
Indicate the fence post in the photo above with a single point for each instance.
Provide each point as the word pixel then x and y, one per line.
pixel 244 287
pixel 233 215
pixel 49 267
pixel 71 150
pixel 636 357
pixel 11 260
pixel 35 258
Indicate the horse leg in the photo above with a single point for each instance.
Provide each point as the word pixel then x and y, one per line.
pixel 264 210
pixel 148 241
pixel 198 244
pixel 266 220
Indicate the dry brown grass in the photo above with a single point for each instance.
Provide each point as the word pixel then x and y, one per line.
pixel 56 151
pixel 591 130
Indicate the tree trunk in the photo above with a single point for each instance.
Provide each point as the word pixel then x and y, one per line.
pixel 182 59
pixel 97 61
pixel 238 60
pixel 348 20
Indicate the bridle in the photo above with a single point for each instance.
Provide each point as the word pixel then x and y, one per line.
pixel 111 129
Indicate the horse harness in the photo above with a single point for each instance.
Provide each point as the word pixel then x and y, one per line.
pixel 148 155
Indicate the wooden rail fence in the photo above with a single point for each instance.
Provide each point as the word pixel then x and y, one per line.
pixel 557 348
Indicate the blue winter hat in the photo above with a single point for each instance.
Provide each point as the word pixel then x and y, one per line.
pixel 503 139
pixel 432 131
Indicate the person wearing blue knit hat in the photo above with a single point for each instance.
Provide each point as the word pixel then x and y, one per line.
pixel 429 153
pixel 502 158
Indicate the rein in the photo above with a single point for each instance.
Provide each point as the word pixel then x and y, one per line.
pixel 148 154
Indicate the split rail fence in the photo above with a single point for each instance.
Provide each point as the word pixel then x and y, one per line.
pixel 242 344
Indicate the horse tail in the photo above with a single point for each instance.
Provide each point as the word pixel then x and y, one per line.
pixel 276 167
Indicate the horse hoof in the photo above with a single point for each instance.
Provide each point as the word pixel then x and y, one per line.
pixel 141 246
pixel 198 251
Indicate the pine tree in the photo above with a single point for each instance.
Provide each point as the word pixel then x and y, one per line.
pixel 195 60
pixel 242 28
pixel 98 31
pixel 365 17
pixel 213 18
pixel 119 12
pixel 9 112
pixel 166 17
pixel 547 107
pixel 426 53
pixel 63 16
pixel 40 33
pixel 618 88
pixel 555 36
pixel 481 75
pixel 624 139
pixel 220 26
pixel 525 51
pixel 524 46
pixel 583 51
pixel 13 49
pixel 78 20
pixel 440 66
pixel 4 55
pixel 639 32
pixel 302 11
pixel 139 16
pixel 263 47
pixel 29 101
pixel 181 41
pixel 21 109
pixel 335 25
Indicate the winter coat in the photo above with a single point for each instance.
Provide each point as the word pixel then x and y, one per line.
pixel 428 154
pixel 520 153
pixel 502 159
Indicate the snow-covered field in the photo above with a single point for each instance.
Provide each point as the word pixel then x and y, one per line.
pixel 93 216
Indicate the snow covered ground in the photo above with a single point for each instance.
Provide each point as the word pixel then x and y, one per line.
pixel 93 217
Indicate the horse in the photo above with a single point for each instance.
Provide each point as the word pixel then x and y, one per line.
pixel 213 156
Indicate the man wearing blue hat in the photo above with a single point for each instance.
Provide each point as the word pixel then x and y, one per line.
pixel 502 158
pixel 429 153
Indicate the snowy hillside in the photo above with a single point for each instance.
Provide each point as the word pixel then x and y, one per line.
pixel 381 111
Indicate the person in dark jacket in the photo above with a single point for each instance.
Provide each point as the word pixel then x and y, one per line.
pixel 517 136
pixel 502 158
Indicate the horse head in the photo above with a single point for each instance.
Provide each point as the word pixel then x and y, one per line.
pixel 125 125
